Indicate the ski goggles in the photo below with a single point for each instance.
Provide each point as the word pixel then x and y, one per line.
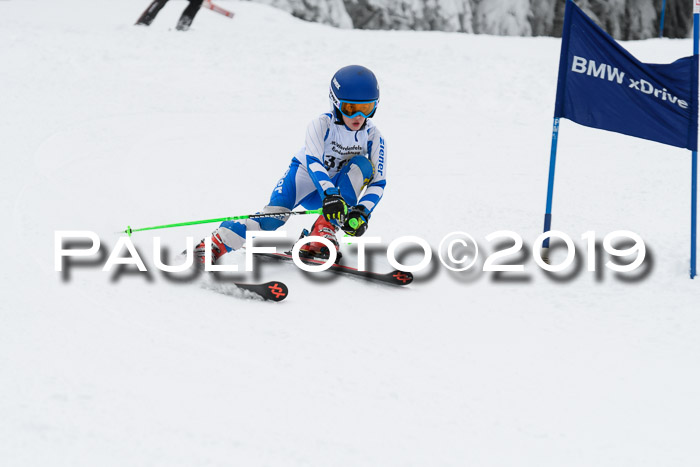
pixel 353 109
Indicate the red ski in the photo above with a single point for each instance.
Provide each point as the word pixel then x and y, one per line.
pixel 217 9
pixel 395 277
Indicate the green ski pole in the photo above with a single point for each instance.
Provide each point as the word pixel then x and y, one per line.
pixel 129 230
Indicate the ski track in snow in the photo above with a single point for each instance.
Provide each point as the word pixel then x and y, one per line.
pixel 106 125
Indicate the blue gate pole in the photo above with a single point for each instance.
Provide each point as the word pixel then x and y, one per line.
pixel 550 188
pixel 694 217
pixel 694 176
pixel 663 14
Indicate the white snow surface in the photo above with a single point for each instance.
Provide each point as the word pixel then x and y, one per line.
pixel 105 124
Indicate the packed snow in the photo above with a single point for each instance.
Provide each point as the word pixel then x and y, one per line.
pixel 106 125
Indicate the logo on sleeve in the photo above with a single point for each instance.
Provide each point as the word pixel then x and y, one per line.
pixel 380 166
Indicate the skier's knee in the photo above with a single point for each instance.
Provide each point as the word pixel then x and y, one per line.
pixel 273 223
pixel 356 174
pixel 364 164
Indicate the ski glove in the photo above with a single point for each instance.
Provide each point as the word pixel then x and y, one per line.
pixel 356 221
pixel 334 206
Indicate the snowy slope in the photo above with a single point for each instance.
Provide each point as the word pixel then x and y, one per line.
pixel 105 125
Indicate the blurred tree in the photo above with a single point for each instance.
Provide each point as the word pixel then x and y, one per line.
pixel 623 19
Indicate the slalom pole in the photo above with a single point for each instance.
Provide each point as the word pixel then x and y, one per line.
pixel 694 217
pixel 129 230
pixel 661 22
pixel 550 189
pixel 694 164
pixel 558 112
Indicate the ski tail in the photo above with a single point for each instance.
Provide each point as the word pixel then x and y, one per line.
pixel 217 9
pixel 274 291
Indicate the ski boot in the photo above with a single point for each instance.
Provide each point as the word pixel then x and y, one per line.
pixel 150 14
pixel 188 15
pixel 218 249
pixel 321 228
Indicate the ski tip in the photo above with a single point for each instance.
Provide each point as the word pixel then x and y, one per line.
pixel 401 277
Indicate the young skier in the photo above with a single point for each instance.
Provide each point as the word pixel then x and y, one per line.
pixel 344 154
pixel 185 20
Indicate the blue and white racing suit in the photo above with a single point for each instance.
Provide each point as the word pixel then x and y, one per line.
pixel 334 156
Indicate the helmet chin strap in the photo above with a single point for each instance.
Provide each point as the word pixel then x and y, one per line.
pixel 338 116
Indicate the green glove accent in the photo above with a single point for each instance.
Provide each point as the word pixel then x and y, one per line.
pixel 356 221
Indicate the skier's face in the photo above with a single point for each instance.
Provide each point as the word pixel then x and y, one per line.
pixel 354 123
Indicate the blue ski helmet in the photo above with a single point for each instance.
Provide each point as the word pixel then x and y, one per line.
pixel 354 91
